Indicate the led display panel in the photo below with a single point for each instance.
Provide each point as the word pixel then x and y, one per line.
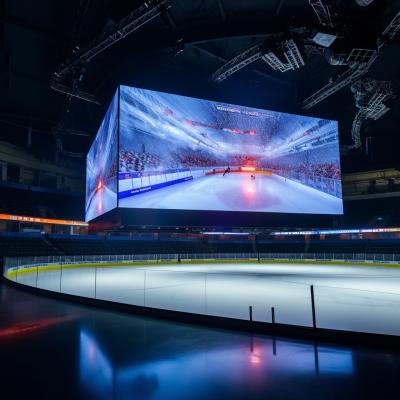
pixel 183 153
pixel 102 166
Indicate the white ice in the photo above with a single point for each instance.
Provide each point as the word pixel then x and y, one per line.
pixel 356 298
pixel 238 192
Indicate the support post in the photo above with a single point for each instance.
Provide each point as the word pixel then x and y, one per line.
pixel 95 282
pixel 144 289
pixel 61 276
pixel 313 307
pixel 273 315
pixel 251 313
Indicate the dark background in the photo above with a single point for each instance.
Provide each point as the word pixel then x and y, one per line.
pixel 36 37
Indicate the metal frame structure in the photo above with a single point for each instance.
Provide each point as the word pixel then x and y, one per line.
pixel 287 47
pixel 344 79
pixel 356 129
pixel 240 61
pixel 390 32
pixel 376 93
pixel 291 53
pixel 139 17
pixel 275 63
pixel 322 12
pixel 74 92
pixel 149 10
pixel 359 62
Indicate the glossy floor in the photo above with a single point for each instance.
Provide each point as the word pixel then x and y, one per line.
pixel 54 349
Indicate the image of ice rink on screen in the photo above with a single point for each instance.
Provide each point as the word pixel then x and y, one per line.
pixel 102 166
pixel 183 153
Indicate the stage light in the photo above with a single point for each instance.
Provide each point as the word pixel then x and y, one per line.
pixel 324 39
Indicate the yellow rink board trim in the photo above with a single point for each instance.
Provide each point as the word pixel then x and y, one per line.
pixel 183 262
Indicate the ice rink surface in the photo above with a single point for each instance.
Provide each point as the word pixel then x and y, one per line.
pixel 238 192
pixel 355 298
pixel 103 200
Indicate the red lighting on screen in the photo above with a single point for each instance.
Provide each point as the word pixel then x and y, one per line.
pixel 250 189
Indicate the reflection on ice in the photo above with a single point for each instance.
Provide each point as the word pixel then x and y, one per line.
pixel 192 374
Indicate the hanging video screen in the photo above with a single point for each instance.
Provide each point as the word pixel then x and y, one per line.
pixel 183 153
pixel 102 166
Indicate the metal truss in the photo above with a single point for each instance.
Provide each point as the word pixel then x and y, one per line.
pixel 390 32
pixel 74 92
pixel 359 62
pixel 376 109
pixel 371 96
pixel 288 48
pixel 362 58
pixel 242 60
pixel 322 11
pixel 356 129
pixel 275 63
pixel 383 92
pixel 142 15
pixel 348 77
pixel 291 53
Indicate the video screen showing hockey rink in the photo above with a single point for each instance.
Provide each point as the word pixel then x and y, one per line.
pixel 102 166
pixel 183 153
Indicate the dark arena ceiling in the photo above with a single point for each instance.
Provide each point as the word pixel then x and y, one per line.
pixel 180 50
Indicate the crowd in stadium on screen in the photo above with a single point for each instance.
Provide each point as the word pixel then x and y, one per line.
pixel 131 161
pixel 326 170
pixel 196 159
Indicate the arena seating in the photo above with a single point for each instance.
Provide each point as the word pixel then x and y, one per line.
pixel 77 245
pixel 23 244
pixel 40 204
pixel 26 244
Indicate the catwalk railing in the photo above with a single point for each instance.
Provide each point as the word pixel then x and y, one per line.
pixel 169 282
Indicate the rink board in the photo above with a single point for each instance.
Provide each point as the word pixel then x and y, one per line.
pixel 351 297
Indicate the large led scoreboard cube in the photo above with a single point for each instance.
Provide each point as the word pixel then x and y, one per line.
pixel 166 154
